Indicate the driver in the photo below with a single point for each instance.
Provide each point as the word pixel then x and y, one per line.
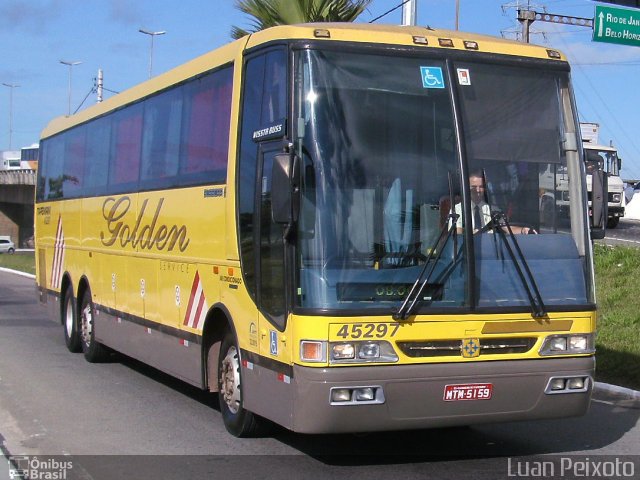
pixel 480 209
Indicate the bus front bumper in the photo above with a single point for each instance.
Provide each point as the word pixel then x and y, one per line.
pixel 415 396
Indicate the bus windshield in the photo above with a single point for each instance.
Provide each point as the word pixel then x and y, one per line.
pixel 378 142
pixel 602 159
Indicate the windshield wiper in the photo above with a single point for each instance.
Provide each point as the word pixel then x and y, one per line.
pixel 414 295
pixel 498 220
pixel 538 308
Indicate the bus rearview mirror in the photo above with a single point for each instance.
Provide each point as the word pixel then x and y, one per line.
pixel 285 188
pixel 599 196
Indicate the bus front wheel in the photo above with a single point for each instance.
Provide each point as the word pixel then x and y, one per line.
pixel 93 350
pixel 70 322
pixel 238 421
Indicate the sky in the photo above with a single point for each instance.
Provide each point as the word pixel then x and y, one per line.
pixel 103 34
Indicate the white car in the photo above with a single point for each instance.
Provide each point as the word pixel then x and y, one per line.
pixel 7 246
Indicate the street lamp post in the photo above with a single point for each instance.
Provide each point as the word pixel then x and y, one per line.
pixel 151 34
pixel 70 65
pixel 11 87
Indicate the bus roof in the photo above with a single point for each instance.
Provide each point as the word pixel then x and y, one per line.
pixel 337 32
pixel 595 146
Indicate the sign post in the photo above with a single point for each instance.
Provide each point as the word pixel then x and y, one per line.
pixel 617 25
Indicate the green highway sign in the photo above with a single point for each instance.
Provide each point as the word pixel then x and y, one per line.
pixel 616 25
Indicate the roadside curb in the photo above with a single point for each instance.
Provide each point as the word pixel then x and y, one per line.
pixel 18 272
pixel 616 395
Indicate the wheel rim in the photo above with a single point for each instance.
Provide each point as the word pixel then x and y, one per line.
pixel 87 323
pixel 68 318
pixel 230 380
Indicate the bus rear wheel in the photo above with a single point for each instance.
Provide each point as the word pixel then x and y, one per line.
pixel 238 421
pixel 93 351
pixel 70 322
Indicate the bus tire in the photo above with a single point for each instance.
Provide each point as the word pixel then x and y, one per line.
pixel 238 421
pixel 70 322
pixel 93 351
pixel 613 222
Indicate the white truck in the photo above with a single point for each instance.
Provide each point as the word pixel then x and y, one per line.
pixel 604 157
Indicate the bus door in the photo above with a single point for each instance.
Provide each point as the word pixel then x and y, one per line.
pixel 270 268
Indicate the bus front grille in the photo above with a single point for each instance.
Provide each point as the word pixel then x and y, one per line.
pixel 453 348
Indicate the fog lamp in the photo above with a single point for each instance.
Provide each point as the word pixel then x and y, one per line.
pixel 367 394
pixel 557 384
pixel 575 383
pixel 340 395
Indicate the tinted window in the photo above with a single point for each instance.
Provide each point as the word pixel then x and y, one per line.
pixel 74 154
pixel 178 137
pixel 96 167
pixel 205 134
pixel 54 159
pixel 126 138
pixel 161 139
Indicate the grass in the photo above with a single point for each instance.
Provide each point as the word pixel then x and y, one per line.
pixel 22 261
pixel 618 291
pixel 618 294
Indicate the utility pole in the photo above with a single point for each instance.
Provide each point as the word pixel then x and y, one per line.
pixel 99 86
pixel 409 12
pixel 11 87
pixel 526 18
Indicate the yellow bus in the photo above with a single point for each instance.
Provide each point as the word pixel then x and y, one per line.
pixel 274 221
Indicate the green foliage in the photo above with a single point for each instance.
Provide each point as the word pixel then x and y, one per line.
pixel 618 297
pixel 269 13
pixel 23 262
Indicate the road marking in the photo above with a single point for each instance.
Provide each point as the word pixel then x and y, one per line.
pixel 623 240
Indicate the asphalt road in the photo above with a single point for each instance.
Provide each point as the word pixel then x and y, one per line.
pixel 627 233
pixel 124 420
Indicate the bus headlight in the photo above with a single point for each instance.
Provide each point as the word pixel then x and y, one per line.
pixel 568 344
pixel 343 351
pixel 369 351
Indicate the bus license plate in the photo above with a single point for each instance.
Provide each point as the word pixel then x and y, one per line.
pixel 468 391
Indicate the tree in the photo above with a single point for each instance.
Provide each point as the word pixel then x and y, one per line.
pixel 269 13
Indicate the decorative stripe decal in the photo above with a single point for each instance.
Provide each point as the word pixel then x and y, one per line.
pixel 58 256
pixel 197 308
pixel 283 371
pixel 149 325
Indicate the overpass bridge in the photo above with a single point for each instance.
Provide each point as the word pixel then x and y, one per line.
pixel 17 195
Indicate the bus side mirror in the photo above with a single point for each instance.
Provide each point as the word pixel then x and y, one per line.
pixel 599 196
pixel 285 189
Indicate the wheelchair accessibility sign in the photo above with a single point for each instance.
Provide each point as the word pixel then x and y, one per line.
pixel 432 77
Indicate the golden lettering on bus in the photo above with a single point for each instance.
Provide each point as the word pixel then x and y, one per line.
pixel 144 235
